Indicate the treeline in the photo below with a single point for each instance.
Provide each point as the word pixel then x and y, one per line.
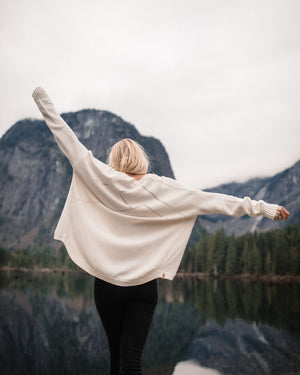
pixel 43 257
pixel 274 252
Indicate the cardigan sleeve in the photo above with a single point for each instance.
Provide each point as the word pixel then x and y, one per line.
pixel 215 203
pixel 66 139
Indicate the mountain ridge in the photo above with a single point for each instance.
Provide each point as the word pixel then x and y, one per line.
pixel 35 178
pixel 283 188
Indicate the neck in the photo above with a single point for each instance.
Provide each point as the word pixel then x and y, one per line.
pixel 137 177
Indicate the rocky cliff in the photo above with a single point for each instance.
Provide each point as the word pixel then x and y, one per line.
pixel 283 189
pixel 35 176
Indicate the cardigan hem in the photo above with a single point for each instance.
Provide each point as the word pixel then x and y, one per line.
pixel 159 273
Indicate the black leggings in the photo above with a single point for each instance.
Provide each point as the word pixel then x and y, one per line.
pixel 126 313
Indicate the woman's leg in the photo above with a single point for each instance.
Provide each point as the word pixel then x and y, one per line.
pixel 137 320
pixel 126 314
pixel 111 311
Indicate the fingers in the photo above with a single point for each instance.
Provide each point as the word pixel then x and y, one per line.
pixel 281 214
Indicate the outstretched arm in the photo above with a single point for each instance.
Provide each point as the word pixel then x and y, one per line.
pixel 64 135
pixel 209 203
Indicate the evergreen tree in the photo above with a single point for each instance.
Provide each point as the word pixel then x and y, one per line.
pixel 247 261
pixel 211 249
pixel 294 260
pixel 231 258
pixel 201 254
pixel 279 258
pixel 221 250
pixel 256 260
pixel 268 262
pixel 216 254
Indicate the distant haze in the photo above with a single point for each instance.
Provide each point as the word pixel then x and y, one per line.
pixel 216 81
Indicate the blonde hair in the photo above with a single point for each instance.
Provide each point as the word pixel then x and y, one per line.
pixel 128 156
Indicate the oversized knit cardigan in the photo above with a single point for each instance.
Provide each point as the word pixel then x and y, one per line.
pixel 124 231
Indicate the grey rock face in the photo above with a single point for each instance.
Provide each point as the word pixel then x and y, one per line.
pixel 35 176
pixel 282 189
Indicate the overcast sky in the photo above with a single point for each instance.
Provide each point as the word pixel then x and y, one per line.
pixel 217 82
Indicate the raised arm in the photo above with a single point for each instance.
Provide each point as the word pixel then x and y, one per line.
pixel 66 139
pixel 209 203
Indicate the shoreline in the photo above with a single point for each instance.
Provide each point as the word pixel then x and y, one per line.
pixel 41 270
pixel 268 278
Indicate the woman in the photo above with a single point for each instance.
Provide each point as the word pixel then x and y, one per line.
pixel 127 227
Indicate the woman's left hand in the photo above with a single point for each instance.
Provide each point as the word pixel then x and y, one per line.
pixel 281 214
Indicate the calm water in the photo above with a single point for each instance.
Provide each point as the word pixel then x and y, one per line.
pixel 49 325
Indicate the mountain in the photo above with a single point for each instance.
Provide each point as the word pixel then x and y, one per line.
pixel 283 189
pixel 35 176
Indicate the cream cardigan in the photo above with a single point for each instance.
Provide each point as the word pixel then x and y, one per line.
pixel 124 231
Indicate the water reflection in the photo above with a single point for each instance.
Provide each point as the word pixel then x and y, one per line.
pixel 48 324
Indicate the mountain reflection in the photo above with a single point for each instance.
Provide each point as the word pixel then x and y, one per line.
pixel 48 324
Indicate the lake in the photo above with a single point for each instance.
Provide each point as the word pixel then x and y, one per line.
pixel 49 325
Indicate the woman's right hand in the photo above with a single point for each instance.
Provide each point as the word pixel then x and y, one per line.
pixel 281 214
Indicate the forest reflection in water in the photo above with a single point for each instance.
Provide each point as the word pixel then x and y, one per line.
pixel 48 324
